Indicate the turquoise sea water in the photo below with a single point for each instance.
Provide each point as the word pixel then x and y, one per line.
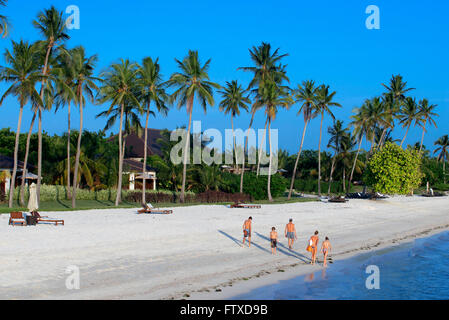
pixel 416 270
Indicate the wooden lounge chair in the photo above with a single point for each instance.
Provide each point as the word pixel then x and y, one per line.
pixel 46 219
pixel 146 209
pixel 245 206
pixel 17 218
pixel 338 199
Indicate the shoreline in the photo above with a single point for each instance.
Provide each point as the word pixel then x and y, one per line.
pixel 195 252
pixel 266 278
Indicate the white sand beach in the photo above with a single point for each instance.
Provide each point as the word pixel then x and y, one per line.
pixel 196 252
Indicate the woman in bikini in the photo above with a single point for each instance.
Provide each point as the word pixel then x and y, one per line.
pixel 325 249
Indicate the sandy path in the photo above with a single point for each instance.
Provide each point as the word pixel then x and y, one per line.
pixel 122 255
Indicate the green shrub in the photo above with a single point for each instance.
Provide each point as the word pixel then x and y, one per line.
pixel 441 187
pixel 393 170
pixel 310 185
pixel 58 192
pixel 253 185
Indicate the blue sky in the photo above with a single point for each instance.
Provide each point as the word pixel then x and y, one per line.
pixel 327 41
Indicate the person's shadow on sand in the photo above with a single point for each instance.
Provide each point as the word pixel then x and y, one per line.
pixel 240 243
pixel 286 250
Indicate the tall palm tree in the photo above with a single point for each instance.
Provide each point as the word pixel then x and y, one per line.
pixel 66 95
pixel 305 94
pixel 408 115
pixel 84 87
pixel 323 107
pixel 359 123
pixel 52 26
pixel 375 116
pixel 151 89
pixel 443 149
pixel 267 67
pixel 119 89
pixel 337 134
pixel 426 112
pixel 397 88
pixel 191 81
pixel 234 100
pixel 272 97
pixel 4 23
pixel 23 74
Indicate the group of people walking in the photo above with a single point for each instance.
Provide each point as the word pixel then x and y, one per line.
pixel 290 234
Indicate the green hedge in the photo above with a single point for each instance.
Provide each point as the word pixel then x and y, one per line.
pixel 58 192
pixel 310 185
pixel 441 187
pixel 253 185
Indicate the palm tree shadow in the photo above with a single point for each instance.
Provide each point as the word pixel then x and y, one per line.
pixel 285 250
pixel 239 243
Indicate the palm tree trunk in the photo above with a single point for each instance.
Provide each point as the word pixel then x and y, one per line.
pixel 332 172
pixel 319 156
pixel 355 162
pixel 381 140
pixel 69 195
pixel 25 161
pixel 244 149
pixel 39 148
pixel 292 183
pixel 260 148
pixel 144 169
pixel 444 170
pixel 16 156
pixel 78 152
pixel 422 138
pixel 39 156
pixel 344 178
pixel 269 166
pixel 406 132
pixel 234 152
pixel 118 197
pixel 186 149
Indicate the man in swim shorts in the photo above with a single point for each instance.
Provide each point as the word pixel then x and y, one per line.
pixel 247 231
pixel 274 240
pixel 325 249
pixel 290 233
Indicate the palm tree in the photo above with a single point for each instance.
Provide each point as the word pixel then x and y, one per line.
pixel 234 99
pixel 337 133
pixel 408 115
pixel 23 73
pixel 152 89
pixel 267 67
pixel 84 87
pixel 272 97
pixel 375 117
pixel 443 149
pixel 397 88
pixel 4 23
pixel 119 88
pixel 426 112
pixel 193 79
pixel 52 26
pixel 66 96
pixel 323 104
pixel 359 123
pixel 305 93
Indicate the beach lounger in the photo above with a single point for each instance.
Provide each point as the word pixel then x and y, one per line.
pixel 149 209
pixel 17 218
pixel 46 219
pixel 245 206
pixel 338 200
